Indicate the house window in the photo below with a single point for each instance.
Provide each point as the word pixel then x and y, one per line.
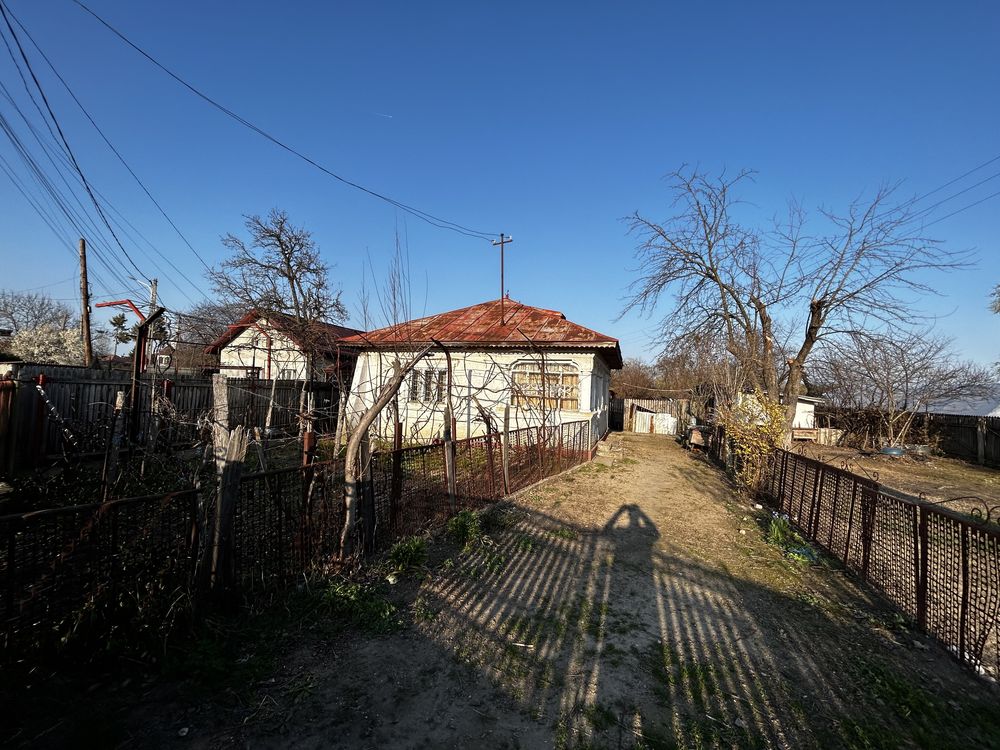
pixel 427 386
pixel 561 388
pixel 163 361
pixel 286 374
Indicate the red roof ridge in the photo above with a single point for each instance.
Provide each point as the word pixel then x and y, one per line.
pixel 234 329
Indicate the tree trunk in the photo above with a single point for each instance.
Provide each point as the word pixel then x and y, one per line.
pixel 352 482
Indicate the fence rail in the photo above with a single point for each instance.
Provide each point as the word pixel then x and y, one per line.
pixel 107 564
pixel 939 567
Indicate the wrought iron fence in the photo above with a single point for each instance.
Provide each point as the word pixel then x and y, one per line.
pixel 66 573
pixel 941 568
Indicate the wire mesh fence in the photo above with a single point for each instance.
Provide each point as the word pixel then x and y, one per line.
pixel 78 573
pixel 75 574
pixel 938 567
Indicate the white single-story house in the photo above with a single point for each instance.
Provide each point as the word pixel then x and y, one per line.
pixel 276 346
pixel 545 368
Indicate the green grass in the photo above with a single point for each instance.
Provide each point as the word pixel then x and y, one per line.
pixel 600 717
pixel 408 554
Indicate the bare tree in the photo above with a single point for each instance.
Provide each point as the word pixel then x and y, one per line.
pixel 636 379
pixel 893 376
pixel 20 311
pixel 204 322
pixel 278 269
pixel 743 284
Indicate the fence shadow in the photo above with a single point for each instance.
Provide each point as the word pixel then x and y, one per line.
pixel 611 633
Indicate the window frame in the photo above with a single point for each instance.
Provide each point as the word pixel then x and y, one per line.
pixel 538 397
pixel 427 385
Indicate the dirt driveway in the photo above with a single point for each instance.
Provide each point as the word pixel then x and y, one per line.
pixel 627 605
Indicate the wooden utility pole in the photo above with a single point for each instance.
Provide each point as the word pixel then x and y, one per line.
pixel 88 347
pixel 501 242
pixel 152 306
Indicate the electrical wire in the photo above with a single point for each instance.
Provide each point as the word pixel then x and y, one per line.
pixel 62 136
pixel 422 215
pixel 964 208
pixel 107 141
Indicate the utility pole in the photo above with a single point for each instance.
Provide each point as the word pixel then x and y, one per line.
pixel 88 348
pixel 152 308
pixel 501 242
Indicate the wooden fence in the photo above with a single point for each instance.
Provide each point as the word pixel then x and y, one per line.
pixel 940 568
pixel 967 437
pixel 69 577
pixel 622 410
pixel 49 410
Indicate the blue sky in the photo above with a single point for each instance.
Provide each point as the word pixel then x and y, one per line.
pixel 549 121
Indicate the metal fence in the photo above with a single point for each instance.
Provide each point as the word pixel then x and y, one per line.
pixel 75 574
pixel 78 573
pixel 939 567
pixel 408 489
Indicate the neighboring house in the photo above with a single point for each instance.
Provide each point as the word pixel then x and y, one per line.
pixel 804 421
pixel 115 362
pixel 547 369
pixel 276 346
pixel 987 405
pixel 181 358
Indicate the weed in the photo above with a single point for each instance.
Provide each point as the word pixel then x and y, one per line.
pixel 781 534
pixel 465 528
pixel 360 606
pixel 564 533
pixel 493 562
pixel 499 518
pixel 408 554
pixel 422 611
pixel 525 543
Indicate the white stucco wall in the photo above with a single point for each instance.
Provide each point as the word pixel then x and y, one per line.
pixel 250 349
pixel 480 378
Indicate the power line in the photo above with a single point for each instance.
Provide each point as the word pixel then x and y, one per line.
pixel 925 211
pixel 108 142
pixel 953 181
pixel 422 215
pixel 62 136
pixel 52 192
pixel 93 232
pixel 964 208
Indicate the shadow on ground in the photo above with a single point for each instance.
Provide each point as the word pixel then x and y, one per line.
pixel 621 607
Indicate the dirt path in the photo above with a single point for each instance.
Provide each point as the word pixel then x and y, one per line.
pixel 631 605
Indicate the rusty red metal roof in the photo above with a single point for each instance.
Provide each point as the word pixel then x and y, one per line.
pixel 480 325
pixel 326 335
